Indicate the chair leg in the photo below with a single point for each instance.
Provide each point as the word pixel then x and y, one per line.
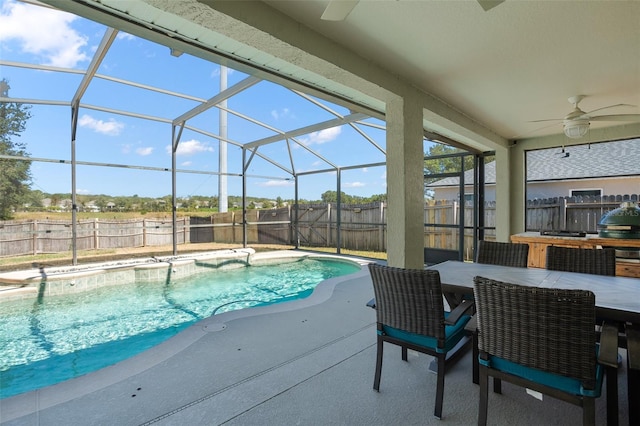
pixel 497 385
pixel 376 380
pixel 483 382
pixel 440 386
pixel 475 353
pixel 589 412
pixel 633 395
pixel 633 372
pixel 404 353
pixel 612 396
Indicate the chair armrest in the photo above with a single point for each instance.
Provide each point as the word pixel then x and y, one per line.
pixel 472 325
pixel 460 310
pixel 372 303
pixel 608 354
pixel 633 345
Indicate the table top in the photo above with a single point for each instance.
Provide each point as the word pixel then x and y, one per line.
pixel 616 297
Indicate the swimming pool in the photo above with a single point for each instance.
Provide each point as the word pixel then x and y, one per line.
pixel 47 340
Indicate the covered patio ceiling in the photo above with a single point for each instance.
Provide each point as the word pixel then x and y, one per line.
pixel 486 75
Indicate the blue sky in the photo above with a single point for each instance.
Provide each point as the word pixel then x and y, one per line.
pixel 38 35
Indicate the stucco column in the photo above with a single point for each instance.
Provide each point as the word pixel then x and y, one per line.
pixel 507 178
pixel 405 187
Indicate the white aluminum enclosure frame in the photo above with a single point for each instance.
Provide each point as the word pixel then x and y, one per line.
pixel 355 120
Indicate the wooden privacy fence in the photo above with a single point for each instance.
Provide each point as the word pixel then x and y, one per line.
pixel 362 227
pixel 572 213
pixel 55 236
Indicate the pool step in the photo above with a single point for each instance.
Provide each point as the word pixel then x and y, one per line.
pixel 12 292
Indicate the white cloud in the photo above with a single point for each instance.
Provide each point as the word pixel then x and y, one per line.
pixel 126 148
pixel 283 113
pixel 354 185
pixel 44 32
pixel 276 183
pixel 125 36
pixel 147 150
pixel 191 147
pixel 83 191
pixel 322 136
pixel 216 72
pixel 186 163
pixel 110 127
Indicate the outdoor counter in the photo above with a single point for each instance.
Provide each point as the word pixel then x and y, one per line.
pixel 538 248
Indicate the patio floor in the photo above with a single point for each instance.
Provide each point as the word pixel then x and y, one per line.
pixel 308 362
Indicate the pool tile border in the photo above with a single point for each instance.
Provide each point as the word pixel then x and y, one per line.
pixel 53 281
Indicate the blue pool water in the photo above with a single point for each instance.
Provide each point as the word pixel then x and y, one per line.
pixel 60 337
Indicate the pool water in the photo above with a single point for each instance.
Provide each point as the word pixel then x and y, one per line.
pixel 56 338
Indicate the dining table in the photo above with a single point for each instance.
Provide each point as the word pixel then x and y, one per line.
pixel 617 298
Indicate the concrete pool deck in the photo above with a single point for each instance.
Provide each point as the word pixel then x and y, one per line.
pixel 307 362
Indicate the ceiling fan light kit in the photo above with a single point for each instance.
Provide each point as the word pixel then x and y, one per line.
pixel 576 129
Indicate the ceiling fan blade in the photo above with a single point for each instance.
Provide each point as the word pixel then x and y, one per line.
pixel 542 121
pixel 610 106
pixel 616 117
pixel 489 4
pixel 338 10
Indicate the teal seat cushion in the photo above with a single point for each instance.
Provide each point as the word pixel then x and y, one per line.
pixel 453 335
pixel 563 383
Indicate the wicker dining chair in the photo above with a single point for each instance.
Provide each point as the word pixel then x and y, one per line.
pixel 583 260
pixel 505 254
pixel 543 339
pixel 410 313
pixel 495 253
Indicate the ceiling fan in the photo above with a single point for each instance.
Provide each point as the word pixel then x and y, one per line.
pixel 576 123
pixel 489 4
pixel 338 10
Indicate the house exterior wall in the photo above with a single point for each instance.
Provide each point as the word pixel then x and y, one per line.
pixel 540 190
pixel 609 186
pixel 450 193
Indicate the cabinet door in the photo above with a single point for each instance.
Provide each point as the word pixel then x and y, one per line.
pixel 627 269
pixel 537 255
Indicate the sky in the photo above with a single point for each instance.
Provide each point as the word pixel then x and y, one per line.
pixel 43 36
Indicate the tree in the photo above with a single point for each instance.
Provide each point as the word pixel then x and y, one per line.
pixel 332 197
pixel 15 177
pixel 446 165
pixel 376 198
pixel 33 200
